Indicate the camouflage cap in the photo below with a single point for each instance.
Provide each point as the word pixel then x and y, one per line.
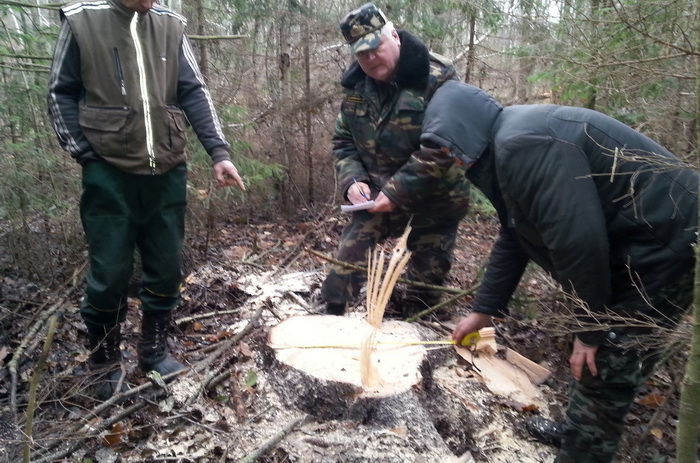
pixel 362 27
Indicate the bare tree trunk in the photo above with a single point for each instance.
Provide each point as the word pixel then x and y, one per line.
pixel 307 112
pixel 199 7
pixel 526 62
pixel 470 51
pixel 689 409
pixel 591 101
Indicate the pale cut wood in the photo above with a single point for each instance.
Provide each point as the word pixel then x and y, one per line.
pixel 369 376
pixel 380 287
pixel 487 341
pixel 536 372
pixel 328 347
pixel 503 378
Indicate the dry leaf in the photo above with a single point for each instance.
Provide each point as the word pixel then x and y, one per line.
pixel 656 432
pixel 651 400
pixel 401 432
pixel 115 435
pixel 244 349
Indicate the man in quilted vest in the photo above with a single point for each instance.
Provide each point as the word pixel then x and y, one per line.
pixel 376 147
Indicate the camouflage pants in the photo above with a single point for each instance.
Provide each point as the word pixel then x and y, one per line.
pixel 431 243
pixel 598 404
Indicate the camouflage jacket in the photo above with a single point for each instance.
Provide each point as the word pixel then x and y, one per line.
pixel 377 135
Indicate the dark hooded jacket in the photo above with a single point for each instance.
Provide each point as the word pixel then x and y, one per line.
pixel 605 210
pixel 377 135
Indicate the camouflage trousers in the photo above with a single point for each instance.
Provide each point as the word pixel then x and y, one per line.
pixel 431 243
pixel 598 404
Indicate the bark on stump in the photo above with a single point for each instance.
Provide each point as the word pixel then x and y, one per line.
pixel 314 365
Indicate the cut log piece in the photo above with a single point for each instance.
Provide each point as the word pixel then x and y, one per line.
pixel 537 373
pixel 487 341
pixel 514 378
pixel 328 347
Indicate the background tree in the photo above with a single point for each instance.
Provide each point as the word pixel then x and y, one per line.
pixel 689 413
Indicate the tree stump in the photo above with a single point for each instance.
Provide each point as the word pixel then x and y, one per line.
pixel 317 362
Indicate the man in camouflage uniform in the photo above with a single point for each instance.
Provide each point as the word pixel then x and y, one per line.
pixel 377 149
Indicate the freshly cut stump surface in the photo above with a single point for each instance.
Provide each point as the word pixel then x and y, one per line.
pixel 328 347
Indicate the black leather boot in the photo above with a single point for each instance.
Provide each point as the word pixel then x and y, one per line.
pixel 153 350
pixel 105 360
pixel 415 301
pixel 335 308
pixel 545 431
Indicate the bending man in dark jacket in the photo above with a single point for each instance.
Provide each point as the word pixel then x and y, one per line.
pixel 610 214
pixel 376 146
pixel 124 84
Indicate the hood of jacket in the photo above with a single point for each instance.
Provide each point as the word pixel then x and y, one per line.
pixel 412 70
pixel 460 117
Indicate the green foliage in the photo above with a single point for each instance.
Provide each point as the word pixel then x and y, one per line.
pixel 38 208
pixel 251 378
pixel 628 62
pixel 208 202
pixel 439 23
pixel 479 206
pixel 523 305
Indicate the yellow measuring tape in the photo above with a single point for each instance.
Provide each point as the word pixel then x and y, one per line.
pixel 468 340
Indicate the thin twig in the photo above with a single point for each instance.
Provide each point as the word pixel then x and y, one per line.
pixel 456 297
pixel 226 346
pixel 274 440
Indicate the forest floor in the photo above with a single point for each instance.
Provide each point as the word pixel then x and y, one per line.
pixel 229 408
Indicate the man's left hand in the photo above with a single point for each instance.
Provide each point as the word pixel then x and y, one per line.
pixel 227 175
pixel 582 355
pixel 382 204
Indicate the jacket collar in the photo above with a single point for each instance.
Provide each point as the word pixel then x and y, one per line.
pixel 121 9
pixel 412 70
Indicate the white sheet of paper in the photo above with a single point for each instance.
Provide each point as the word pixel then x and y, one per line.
pixel 356 207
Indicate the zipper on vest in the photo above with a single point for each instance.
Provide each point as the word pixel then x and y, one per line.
pixel 120 70
pixel 144 93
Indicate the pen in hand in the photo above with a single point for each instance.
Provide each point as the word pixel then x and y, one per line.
pixel 362 193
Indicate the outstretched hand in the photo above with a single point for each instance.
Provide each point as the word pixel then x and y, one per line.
pixel 582 355
pixel 227 175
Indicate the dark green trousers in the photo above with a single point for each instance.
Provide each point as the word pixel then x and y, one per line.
pixel 598 404
pixel 431 243
pixel 121 212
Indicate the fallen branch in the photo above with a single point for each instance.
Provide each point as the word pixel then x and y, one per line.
pixel 95 412
pixel 274 440
pixel 456 297
pixel 359 268
pixel 31 405
pixel 117 398
pixel 226 346
pixel 180 321
pixel 93 432
pixel 30 336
